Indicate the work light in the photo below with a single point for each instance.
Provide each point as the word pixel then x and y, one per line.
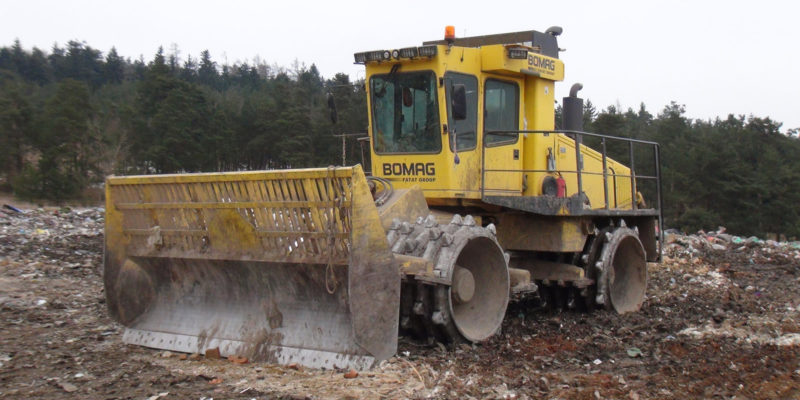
pixel 409 52
pixel 427 51
pixel 517 53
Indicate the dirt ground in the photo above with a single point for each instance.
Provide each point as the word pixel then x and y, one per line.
pixel 715 325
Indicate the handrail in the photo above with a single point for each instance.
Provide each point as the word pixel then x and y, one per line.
pixel 578 137
pixel 581 133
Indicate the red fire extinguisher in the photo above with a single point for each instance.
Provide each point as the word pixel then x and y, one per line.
pixel 562 186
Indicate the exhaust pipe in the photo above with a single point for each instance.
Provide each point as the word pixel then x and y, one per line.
pixel 572 112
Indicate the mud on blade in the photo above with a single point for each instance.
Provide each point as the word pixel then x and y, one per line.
pixel 282 266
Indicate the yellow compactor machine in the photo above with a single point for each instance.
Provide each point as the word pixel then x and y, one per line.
pixel 473 196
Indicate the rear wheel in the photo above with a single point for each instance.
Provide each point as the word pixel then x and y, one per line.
pixel 615 267
pixel 622 280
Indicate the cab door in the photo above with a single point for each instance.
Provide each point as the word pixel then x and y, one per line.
pixel 462 133
pixel 502 164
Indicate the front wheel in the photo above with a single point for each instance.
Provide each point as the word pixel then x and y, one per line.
pixel 468 300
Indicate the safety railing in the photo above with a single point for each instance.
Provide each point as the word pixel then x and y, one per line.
pixel 578 171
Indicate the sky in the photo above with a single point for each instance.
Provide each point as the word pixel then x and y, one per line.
pixel 714 57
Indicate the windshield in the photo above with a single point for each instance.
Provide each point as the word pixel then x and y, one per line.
pixel 405 113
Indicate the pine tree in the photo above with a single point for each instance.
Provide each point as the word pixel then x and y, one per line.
pixel 67 162
pixel 113 71
pixel 207 73
pixel 15 125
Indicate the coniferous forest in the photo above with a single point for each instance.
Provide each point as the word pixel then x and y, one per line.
pixel 74 114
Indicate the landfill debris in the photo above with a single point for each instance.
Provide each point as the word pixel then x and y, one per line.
pixel 634 352
pixel 213 354
pixel 718 244
pixel 237 359
pixel 68 387
pixel 351 374
pixel 39 235
pixel 12 208
pixel 706 310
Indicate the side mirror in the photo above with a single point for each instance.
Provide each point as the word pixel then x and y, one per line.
pixel 408 97
pixel 458 102
pixel 332 108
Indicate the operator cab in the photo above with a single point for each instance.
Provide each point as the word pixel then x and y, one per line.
pixel 433 110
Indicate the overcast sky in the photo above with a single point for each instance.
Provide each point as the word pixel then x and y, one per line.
pixel 716 57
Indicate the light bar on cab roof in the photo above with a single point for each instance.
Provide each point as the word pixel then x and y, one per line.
pixel 387 55
pixel 409 52
pixel 518 53
pixel 378 55
pixel 427 51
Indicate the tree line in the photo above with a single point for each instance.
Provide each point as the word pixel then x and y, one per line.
pixel 73 115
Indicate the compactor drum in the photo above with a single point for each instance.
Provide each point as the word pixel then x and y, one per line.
pixel 284 266
pixel 463 293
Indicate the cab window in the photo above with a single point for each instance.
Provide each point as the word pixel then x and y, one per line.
pixel 501 111
pixel 463 133
pixel 405 113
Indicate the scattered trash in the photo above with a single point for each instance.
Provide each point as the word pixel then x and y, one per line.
pixel 68 387
pixel 351 374
pixel 51 265
pixel 751 250
pixel 40 235
pixel 634 352
pixel 237 359
pixel 12 208
pixel 213 354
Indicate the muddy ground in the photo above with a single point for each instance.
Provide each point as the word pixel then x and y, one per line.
pixel 716 324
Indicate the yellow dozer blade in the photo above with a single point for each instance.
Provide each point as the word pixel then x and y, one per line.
pixel 286 266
